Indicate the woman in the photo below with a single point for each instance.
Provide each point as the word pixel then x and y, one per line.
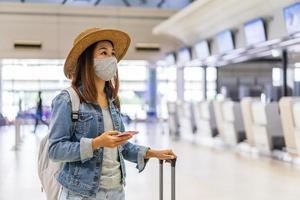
pixel 93 154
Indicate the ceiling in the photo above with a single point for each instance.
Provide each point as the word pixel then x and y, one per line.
pixel 168 4
pixel 204 18
pixel 55 27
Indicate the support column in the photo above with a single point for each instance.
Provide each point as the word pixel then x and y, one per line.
pixel 180 84
pixel 217 81
pixel 1 91
pixel 205 81
pixel 152 92
pixel 284 72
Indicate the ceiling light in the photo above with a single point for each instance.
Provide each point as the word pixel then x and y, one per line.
pixel 276 53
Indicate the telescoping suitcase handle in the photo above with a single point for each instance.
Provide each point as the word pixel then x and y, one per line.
pixel 161 179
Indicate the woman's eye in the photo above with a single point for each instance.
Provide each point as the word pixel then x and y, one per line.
pixel 104 53
pixel 113 54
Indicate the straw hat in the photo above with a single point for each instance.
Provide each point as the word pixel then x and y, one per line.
pixel 120 40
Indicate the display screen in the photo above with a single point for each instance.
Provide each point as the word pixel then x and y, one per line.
pixel 225 41
pixel 255 31
pixel 184 56
pixel 292 18
pixel 202 49
pixel 170 59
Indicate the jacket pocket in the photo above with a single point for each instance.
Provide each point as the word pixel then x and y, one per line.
pixel 83 124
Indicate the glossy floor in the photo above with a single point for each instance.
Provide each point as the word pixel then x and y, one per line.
pixel 202 173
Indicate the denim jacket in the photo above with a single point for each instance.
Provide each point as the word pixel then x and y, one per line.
pixel 70 143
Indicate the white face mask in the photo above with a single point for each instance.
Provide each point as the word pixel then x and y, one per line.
pixel 105 68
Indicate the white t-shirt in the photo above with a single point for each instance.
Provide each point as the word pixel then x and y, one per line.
pixel 111 171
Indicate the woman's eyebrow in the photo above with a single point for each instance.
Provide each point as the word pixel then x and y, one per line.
pixel 105 48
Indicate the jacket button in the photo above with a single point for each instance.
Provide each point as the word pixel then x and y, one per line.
pixel 96 178
pixel 98 164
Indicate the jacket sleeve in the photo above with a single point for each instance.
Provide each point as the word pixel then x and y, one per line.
pixel 133 152
pixel 61 148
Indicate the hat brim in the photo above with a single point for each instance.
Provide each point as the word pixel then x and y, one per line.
pixel 120 40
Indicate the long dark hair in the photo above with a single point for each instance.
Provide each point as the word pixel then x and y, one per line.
pixel 85 75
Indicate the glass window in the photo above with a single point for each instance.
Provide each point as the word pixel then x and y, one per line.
pixel 193 83
pixel 166 88
pixel 211 81
pixel 297 74
pixel 276 76
pixel 133 75
pixel 23 78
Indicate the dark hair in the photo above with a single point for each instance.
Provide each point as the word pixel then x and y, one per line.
pixel 85 75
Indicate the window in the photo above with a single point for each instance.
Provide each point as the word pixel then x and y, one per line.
pixel 133 86
pixel 211 81
pixel 166 88
pixel 23 78
pixel 194 84
pixel 276 76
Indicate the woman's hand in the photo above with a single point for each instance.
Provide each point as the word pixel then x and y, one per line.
pixel 161 154
pixel 109 139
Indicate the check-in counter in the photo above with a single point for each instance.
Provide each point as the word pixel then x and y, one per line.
pixel 267 129
pixel 173 120
pixel 205 119
pixel 217 107
pixel 290 119
pixel 296 113
pixel 246 106
pixel 185 118
pixel 233 126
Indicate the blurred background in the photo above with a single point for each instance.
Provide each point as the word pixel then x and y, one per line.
pixel 216 81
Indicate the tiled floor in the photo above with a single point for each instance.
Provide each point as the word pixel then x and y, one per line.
pixel 202 173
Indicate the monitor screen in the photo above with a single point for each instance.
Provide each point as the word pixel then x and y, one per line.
pixel 202 49
pixel 184 56
pixel 292 18
pixel 225 41
pixel 255 31
pixel 170 59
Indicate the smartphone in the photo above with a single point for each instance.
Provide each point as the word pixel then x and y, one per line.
pixel 127 133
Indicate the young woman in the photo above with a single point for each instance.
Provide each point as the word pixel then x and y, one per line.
pixel 90 148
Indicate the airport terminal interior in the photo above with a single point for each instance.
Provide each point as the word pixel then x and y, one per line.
pixel 215 81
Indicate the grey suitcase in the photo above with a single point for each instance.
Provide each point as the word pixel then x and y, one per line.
pixel 161 179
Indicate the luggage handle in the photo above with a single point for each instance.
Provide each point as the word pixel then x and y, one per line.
pixel 161 173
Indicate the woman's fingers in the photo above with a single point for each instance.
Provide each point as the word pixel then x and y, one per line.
pixel 167 155
pixel 168 152
pixel 122 139
pixel 119 141
pixel 172 153
pixel 113 132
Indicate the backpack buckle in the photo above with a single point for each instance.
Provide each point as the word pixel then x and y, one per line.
pixel 74 116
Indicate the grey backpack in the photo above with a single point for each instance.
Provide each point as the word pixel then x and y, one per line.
pixel 47 169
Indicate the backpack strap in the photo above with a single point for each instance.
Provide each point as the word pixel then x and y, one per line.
pixel 75 101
